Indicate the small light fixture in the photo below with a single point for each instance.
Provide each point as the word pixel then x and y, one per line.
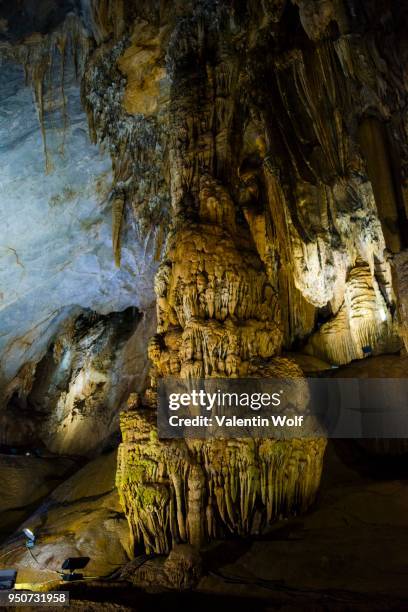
pixel 70 565
pixel 30 538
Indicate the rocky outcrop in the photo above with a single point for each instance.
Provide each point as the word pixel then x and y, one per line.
pixel 286 217
pixel 307 139
pixel 195 491
pixel 69 402
pixel 181 570
pixel 217 311
pixel 56 205
pixel 363 325
pixel 77 385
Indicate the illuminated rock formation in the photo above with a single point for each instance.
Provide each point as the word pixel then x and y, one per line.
pixel 286 216
pixel 362 325
pixel 217 311
pixel 178 491
pixel 56 205
pixel 255 156
pixel 217 316
pixel 308 139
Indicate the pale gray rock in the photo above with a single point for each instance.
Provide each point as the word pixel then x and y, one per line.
pixel 55 244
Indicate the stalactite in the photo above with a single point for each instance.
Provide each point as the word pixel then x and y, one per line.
pixel 38 86
pixel 62 44
pixel 118 206
pixel 36 54
pixel 313 77
pixel 108 18
pixel 136 142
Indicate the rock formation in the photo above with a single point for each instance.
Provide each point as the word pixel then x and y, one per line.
pixel 218 316
pixel 284 224
pixel 67 403
pixel 181 570
pixel 251 180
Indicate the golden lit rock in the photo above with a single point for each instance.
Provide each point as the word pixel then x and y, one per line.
pixel 217 316
pixel 143 65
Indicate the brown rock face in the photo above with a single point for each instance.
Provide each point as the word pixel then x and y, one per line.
pixel 181 570
pixel 282 134
pixel 217 312
pixel 142 64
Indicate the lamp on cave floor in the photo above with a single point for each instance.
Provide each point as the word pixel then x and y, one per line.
pixel 30 538
pixel 7 579
pixel 70 565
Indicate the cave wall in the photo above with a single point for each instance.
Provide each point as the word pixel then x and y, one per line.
pixel 56 257
pixel 284 124
pixel 255 156
pixel 298 110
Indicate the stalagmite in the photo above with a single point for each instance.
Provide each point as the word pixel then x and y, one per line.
pixel 194 490
pixel 225 197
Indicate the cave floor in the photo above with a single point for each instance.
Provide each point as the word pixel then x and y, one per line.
pixel 347 553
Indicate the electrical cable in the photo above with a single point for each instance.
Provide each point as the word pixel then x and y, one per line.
pixel 106 577
pixel 39 584
pixel 11 551
pixel 46 569
pixel 143 559
pixel 274 585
